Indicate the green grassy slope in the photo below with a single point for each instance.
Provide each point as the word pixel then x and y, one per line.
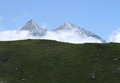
pixel 43 61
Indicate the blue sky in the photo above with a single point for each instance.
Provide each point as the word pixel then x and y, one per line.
pixel 98 16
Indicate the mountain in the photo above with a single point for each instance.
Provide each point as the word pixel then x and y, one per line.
pixel 67 32
pixel 45 61
pixel 34 29
pixel 82 33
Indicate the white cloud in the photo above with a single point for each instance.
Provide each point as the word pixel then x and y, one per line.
pixel 62 36
pixel 1 18
pixel 13 35
pixel 70 37
pixel 44 26
pixel 115 36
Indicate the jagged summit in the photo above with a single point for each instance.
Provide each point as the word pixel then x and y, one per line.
pixel 33 28
pixel 66 26
pixel 30 25
pixel 30 21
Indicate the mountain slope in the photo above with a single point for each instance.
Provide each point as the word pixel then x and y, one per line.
pixel 67 32
pixel 43 61
pixel 34 29
pixel 82 33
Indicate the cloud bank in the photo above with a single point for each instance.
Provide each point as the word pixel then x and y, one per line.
pixel 115 36
pixel 13 35
pixel 69 36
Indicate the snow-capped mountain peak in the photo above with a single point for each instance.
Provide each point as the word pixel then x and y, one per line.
pixel 34 29
pixel 67 26
pixel 67 32
pixel 70 28
pixel 31 22
pixel 30 25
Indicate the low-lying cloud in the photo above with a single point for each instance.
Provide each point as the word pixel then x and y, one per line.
pixel 115 36
pixel 69 36
pixel 13 35
pixel 63 36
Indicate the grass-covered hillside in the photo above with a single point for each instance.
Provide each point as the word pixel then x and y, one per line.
pixel 43 61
